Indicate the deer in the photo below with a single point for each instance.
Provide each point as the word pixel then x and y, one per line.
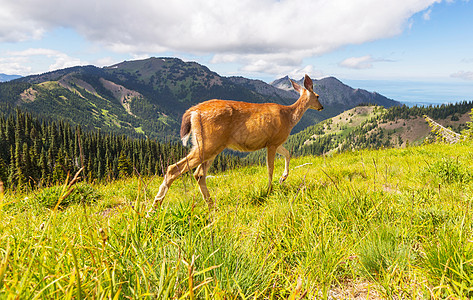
pixel 219 124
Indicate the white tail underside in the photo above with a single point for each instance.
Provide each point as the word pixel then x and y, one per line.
pixel 185 139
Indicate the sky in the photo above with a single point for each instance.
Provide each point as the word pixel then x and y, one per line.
pixel 417 51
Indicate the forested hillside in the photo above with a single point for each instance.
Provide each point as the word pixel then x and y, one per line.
pixel 35 152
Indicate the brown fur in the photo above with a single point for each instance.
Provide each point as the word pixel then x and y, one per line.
pixel 219 124
pixel 185 126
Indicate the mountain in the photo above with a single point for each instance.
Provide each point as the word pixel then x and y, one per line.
pixel 6 77
pixel 148 97
pixel 334 92
pixel 279 95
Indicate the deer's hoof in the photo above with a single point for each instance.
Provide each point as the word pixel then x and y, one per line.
pixel 149 213
pixel 282 179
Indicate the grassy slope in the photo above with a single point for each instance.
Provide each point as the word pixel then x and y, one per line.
pixel 368 224
pixel 411 131
pixel 346 122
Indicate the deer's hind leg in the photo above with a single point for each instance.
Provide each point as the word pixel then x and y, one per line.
pixel 200 175
pixel 270 156
pixel 189 162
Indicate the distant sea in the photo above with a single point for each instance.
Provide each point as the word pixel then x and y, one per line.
pixel 418 93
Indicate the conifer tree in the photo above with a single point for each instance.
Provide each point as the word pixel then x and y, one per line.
pixel 59 172
pixel 468 133
pixel 125 168
pixel 27 171
pixel 43 165
pixel 12 168
pixel 3 171
pixel 19 176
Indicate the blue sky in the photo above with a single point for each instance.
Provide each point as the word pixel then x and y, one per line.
pixel 411 50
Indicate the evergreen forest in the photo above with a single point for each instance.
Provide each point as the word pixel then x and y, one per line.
pixel 38 152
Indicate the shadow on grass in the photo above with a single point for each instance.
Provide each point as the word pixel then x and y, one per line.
pixel 258 196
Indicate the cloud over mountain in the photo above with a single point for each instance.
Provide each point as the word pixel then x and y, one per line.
pixel 266 35
pixel 16 61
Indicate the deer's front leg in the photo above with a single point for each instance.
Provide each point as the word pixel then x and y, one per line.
pixel 287 157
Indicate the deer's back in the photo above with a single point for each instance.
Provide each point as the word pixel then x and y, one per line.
pixel 243 126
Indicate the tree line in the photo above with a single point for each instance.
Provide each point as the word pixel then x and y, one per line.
pixel 434 111
pixel 37 152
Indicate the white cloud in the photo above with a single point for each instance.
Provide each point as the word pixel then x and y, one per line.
pixel 466 75
pixel 14 29
pixel 273 63
pixel 104 61
pixel 363 62
pixel 14 66
pixel 65 61
pixel 300 72
pixel 245 30
pixel 223 58
pixel 426 15
pixel 14 61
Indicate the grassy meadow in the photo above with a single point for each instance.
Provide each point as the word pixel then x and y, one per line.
pixel 372 224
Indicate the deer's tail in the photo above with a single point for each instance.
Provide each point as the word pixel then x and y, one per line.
pixel 186 127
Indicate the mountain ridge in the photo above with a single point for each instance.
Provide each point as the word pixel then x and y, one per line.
pixel 147 97
pixel 6 77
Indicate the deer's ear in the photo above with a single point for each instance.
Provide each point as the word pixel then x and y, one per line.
pixel 308 84
pixel 296 86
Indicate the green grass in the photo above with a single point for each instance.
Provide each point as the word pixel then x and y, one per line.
pixel 394 223
pixel 139 130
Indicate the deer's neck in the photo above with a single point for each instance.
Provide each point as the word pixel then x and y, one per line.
pixel 299 108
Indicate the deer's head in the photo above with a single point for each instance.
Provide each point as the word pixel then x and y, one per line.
pixel 308 91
